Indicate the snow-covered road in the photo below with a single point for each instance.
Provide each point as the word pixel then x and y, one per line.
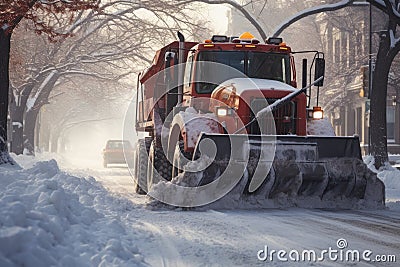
pixel 234 238
pixel 51 217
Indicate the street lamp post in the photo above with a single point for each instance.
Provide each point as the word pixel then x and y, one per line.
pixel 371 68
pixel 371 64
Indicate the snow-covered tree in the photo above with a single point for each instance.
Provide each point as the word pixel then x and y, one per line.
pixel 80 100
pixel 11 14
pixel 108 44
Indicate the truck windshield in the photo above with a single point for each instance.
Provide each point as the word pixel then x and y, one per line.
pixel 261 65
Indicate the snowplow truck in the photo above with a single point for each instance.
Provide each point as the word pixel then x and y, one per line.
pixel 227 127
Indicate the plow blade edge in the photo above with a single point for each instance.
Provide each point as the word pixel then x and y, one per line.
pixel 286 171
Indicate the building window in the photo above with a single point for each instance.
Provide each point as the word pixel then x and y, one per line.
pixel 390 118
pixel 358 44
pixel 345 50
pixel 353 48
pixel 337 51
pixel 363 39
pixel 359 122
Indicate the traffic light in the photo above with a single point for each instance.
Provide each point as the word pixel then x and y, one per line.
pixel 365 81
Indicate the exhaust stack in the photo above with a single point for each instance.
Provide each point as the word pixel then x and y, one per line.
pixel 181 55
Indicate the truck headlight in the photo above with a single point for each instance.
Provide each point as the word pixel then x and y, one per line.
pixel 221 111
pixel 318 113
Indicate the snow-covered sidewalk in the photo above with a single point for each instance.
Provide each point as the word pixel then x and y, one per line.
pixel 49 217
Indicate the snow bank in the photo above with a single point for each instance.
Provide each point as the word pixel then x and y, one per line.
pixel 321 127
pixel 391 178
pixel 389 175
pixel 48 218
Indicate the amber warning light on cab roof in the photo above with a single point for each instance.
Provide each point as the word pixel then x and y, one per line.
pixel 246 38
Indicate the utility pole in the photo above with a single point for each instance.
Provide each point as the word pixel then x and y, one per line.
pixel 371 68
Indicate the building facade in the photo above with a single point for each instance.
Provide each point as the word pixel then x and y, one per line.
pixel 344 37
pixel 350 38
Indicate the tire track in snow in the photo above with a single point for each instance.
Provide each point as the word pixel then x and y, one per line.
pixel 119 183
pixel 232 238
pixel 381 236
pixel 378 234
pixel 393 218
pixel 168 254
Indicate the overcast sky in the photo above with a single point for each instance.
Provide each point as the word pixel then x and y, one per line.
pixel 218 18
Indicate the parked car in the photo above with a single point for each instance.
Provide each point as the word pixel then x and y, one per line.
pixel 113 153
pixel 394 160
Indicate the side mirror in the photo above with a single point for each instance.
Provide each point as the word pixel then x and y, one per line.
pixel 319 70
pixel 167 73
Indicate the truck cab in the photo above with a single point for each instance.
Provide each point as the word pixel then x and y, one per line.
pixel 249 58
pixel 269 66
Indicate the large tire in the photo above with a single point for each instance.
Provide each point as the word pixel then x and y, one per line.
pixel 177 167
pixel 141 159
pixel 158 166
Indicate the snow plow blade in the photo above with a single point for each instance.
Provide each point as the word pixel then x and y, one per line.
pixel 291 171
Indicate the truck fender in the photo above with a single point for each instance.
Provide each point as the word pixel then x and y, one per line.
pixel 188 127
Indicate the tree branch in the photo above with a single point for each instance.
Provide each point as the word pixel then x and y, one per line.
pixel 384 5
pixel 311 11
pixel 237 6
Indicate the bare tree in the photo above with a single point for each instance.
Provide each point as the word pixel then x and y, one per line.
pixel 108 44
pixel 80 100
pixel 11 14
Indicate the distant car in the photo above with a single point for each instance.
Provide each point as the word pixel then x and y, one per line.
pixel 394 160
pixel 113 153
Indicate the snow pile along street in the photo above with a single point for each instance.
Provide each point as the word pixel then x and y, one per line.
pixel 51 218
pixel 321 127
pixel 391 178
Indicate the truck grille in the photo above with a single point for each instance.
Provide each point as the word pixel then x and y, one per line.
pixel 284 118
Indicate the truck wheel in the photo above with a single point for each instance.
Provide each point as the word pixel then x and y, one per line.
pixel 158 166
pixel 177 167
pixel 141 159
